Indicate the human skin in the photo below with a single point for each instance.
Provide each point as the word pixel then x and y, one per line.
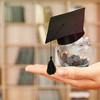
pixel 81 78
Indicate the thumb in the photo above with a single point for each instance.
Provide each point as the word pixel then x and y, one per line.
pixel 76 73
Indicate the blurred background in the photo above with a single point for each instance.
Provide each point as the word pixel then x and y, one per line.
pixel 23 28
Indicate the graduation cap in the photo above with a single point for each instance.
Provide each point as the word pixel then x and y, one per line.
pixel 65 28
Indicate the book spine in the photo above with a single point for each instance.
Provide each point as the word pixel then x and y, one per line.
pixel 48 95
pixel 9 14
pixel 22 14
pixel 77 95
pixel 21 78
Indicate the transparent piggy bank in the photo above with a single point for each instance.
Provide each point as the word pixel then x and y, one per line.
pixel 79 53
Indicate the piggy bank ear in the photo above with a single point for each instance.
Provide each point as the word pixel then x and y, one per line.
pixel 87 41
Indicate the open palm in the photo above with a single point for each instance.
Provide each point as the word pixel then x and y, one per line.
pixel 81 78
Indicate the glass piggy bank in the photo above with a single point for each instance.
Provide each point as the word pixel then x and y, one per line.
pixel 79 53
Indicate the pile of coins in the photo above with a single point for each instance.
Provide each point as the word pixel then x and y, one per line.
pixel 72 60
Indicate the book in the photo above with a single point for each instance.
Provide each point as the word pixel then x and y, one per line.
pixel 47 13
pixel 77 94
pixel 0 94
pixel 59 83
pixel 42 30
pixel 14 13
pixel 43 14
pixel 25 56
pixel 48 95
pixel 26 78
pixel 39 14
pixel 44 81
pixel 0 75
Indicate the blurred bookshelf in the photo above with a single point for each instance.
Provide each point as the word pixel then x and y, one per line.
pixel 23 27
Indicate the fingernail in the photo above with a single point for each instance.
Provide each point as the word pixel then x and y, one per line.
pixel 27 68
pixel 62 72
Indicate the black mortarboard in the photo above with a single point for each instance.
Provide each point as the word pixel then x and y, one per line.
pixel 66 28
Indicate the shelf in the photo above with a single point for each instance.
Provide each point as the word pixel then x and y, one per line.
pixel 20 24
pixel 36 1
pixel 25 24
pixel 44 24
pixel 41 45
pixel 21 87
pixel 30 1
pixel 27 45
pixel 52 87
pixel 83 1
pixel 17 66
pixel 36 86
pixel 18 1
pixel 39 1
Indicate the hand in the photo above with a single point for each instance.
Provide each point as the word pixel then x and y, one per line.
pixel 81 78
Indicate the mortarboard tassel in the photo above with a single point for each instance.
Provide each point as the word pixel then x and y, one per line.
pixel 51 67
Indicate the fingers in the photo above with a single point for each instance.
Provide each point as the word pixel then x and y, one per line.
pixel 41 69
pixel 78 73
pixel 85 84
pixel 38 69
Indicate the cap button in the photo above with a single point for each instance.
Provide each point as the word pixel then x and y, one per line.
pixel 63 24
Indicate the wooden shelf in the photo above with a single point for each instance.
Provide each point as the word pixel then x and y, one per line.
pixel 83 1
pixel 16 66
pixel 27 45
pixel 30 1
pixel 21 87
pixel 36 86
pixel 18 1
pixel 60 1
pixel 95 1
pixel 20 24
pixel 25 24
pixel 52 87
pixel 41 45
pixel 44 24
